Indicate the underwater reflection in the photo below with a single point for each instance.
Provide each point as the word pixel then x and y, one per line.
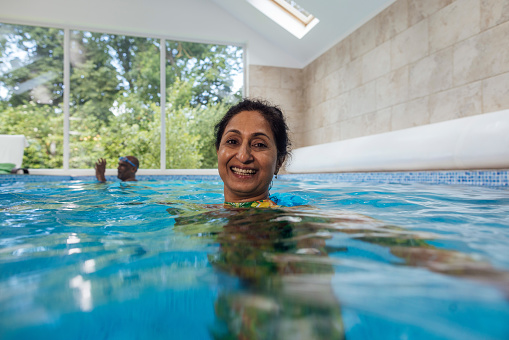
pixel 282 260
pixel 264 248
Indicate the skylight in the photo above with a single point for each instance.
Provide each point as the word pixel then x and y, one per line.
pixel 288 14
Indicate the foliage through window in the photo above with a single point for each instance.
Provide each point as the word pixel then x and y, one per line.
pixel 31 91
pixel 115 96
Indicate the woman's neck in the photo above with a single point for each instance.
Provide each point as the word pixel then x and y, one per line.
pixel 230 198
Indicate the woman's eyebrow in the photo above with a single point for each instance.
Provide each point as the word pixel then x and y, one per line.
pixel 256 134
pixel 232 131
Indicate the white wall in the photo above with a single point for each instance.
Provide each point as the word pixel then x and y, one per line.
pixel 190 20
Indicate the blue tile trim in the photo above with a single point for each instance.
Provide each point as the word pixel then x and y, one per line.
pixel 32 178
pixel 48 178
pixel 471 177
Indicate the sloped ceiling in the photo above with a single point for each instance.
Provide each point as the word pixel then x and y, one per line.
pixel 338 19
pixel 218 21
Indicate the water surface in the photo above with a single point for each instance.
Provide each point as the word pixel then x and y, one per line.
pixel 158 260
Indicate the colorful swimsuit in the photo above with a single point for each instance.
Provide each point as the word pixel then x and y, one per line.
pixel 254 204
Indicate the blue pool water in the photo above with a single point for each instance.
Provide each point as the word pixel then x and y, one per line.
pixel 148 260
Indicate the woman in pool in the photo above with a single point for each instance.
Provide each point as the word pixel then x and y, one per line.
pixel 251 143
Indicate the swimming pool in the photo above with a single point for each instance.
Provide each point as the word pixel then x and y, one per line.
pixel 83 260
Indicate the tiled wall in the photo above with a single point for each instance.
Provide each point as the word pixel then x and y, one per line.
pixel 284 87
pixel 415 63
pixel 494 178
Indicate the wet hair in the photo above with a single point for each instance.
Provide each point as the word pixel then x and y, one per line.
pixel 135 161
pixel 272 114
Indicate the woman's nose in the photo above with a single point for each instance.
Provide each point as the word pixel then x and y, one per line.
pixel 244 154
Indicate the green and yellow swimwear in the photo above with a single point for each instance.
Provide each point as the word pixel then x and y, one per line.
pixel 254 204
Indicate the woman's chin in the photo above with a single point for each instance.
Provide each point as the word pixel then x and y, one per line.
pixel 245 194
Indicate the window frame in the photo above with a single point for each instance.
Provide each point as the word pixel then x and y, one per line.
pixel 66 170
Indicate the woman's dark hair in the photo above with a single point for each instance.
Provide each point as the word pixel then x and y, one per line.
pixel 272 115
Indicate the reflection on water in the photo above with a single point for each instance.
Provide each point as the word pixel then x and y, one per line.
pixel 261 247
pixel 148 260
pixel 282 259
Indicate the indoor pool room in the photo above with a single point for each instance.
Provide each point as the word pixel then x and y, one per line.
pixel 254 169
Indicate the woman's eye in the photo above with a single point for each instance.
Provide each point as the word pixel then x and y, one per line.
pixel 259 145
pixel 231 141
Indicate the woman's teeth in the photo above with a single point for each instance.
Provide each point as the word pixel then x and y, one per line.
pixel 243 171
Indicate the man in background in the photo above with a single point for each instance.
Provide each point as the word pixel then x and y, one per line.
pixel 126 170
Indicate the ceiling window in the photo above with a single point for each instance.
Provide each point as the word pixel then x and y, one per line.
pixel 288 14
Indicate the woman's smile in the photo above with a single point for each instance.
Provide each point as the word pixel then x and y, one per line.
pixel 243 172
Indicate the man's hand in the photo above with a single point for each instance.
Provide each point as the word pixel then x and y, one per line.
pixel 100 169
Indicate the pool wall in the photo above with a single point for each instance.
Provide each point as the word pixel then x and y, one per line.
pixel 498 178
pixel 477 142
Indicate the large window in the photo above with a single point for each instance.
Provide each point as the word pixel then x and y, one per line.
pixel 31 91
pixel 118 102
pixel 201 80
pixel 114 99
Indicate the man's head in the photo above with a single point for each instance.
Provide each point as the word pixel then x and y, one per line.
pixel 127 167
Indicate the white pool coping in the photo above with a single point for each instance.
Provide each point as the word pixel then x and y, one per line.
pixel 477 142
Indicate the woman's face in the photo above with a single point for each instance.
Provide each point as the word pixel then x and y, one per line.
pixel 247 157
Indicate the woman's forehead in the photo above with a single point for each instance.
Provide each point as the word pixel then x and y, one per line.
pixel 249 123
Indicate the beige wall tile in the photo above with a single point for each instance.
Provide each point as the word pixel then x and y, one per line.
pixel 392 21
pixel 255 75
pixel 276 97
pixel 378 122
pixel 306 98
pixel 496 93
pixel 367 124
pixel 494 12
pixel 257 92
pixel 329 56
pixel 458 21
pixel 410 46
pixel 363 99
pixel 288 99
pixel 456 103
pixel 353 74
pixel 392 88
pixel 376 62
pixel 336 132
pixel 431 74
pixel 266 76
pixel 307 114
pixel 305 139
pixel 317 136
pixel 410 114
pixel 314 118
pixel 312 69
pixel 339 108
pixel 317 93
pixel 294 120
pixel 332 132
pixel 419 9
pixel 307 75
pixel 482 56
pixel 333 83
pixel 340 55
pixel 291 78
pixel 353 128
pixel 363 39
pixel 333 110
pixel 321 66
pixel 319 116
